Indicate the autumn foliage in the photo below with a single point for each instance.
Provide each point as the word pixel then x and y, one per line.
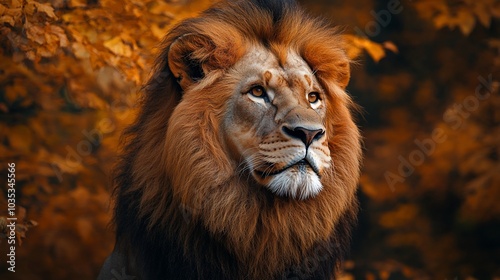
pixel 426 73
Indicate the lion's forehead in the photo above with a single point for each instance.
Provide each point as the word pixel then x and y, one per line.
pixel 262 64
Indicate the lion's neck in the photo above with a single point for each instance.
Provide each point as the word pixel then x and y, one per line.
pixel 265 232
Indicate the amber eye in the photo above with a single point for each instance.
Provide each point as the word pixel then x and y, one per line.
pixel 313 97
pixel 258 91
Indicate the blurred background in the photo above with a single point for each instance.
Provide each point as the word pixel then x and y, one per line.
pixel 426 73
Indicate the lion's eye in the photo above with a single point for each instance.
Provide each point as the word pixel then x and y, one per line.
pixel 258 91
pixel 313 97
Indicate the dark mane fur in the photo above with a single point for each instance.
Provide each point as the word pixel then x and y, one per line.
pixel 277 8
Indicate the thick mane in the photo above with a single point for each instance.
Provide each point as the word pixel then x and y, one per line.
pixel 276 8
pixel 193 216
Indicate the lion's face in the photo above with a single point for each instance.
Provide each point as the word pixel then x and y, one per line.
pixel 274 123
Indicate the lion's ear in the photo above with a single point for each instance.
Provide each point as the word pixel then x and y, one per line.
pixel 189 58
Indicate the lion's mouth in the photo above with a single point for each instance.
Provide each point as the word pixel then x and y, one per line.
pixel 301 165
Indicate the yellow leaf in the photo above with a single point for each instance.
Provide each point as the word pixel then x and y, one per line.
pixel 80 51
pixel 160 8
pixel 75 34
pixel 77 3
pixel 35 33
pixel 346 276
pixel 45 8
pixel 117 46
pixel 29 8
pixel 388 45
pixel 159 32
pixel 63 39
pixel 51 39
pixel 31 55
pixel 376 51
pixel 466 21
pixel 7 19
pixel 46 51
pixel 15 13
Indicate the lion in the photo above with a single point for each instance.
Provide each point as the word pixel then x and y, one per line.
pixel 244 160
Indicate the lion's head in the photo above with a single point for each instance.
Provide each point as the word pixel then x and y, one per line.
pixel 246 128
pixel 274 123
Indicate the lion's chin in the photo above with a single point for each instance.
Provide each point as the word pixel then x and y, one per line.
pixel 298 182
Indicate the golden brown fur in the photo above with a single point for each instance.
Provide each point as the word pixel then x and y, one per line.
pixel 178 177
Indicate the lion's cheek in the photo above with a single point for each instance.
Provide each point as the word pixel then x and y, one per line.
pixel 239 142
pixel 238 133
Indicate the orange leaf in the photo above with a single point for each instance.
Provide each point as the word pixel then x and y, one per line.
pixel 35 33
pixel 466 21
pixel 45 8
pixel 20 138
pixel 375 50
pixel 388 45
pixel 117 46
pixel 483 14
pixel 7 19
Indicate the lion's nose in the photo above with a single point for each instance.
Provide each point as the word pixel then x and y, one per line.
pixel 307 136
